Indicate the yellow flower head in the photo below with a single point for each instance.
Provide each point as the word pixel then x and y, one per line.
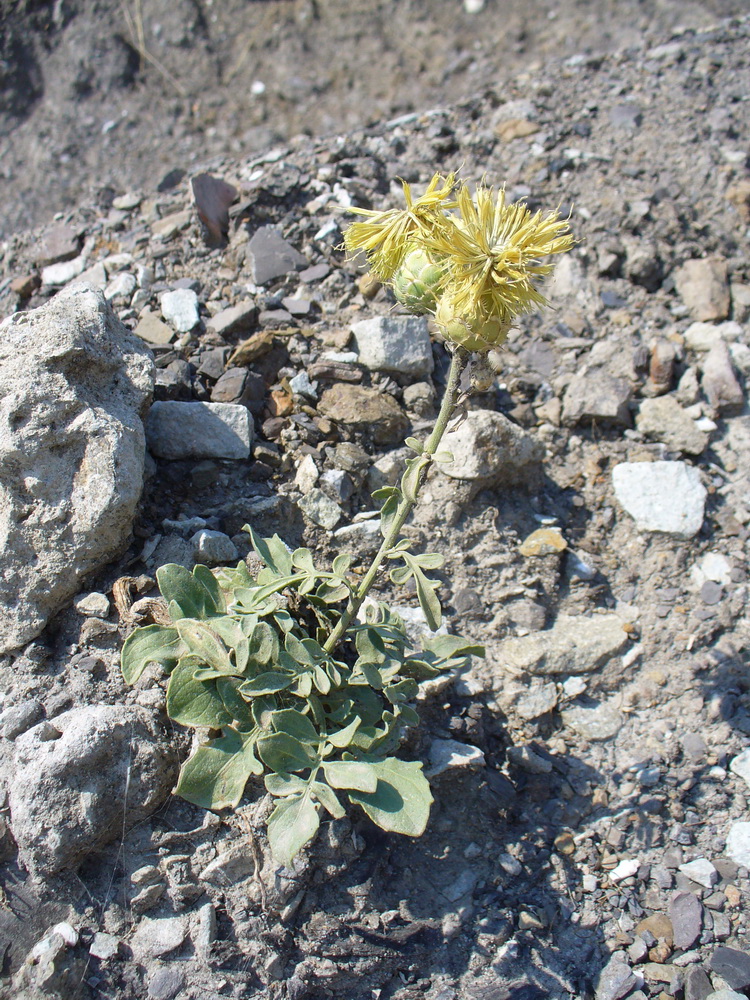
pixel 496 251
pixel 386 236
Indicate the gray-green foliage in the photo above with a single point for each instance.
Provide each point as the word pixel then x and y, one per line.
pixel 247 662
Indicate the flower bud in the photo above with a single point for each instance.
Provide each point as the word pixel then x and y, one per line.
pixel 474 333
pixel 416 284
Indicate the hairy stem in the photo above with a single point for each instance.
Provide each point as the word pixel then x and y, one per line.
pixel 448 405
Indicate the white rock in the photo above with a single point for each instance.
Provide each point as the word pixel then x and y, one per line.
pixel 56 275
pixel 321 509
pixel 394 344
pixel 712 566
pixel 73 386
pixel 738 844
pixel 213 548
pixel 701 871
pixel 625 869
pixel 121 287
pixel 661 496
pixel 703 336
pixel 740 766
pixel 104 946
pixel 177 430
pixel 180 309
pixel 93 604
pixel 301 384
pixel 157 937
pixel 486 445
pixel 307 475
pixel 448 755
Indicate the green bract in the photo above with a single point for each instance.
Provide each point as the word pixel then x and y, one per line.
pixel 247 661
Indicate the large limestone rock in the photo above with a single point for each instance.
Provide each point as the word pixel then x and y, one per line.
pixel 74 384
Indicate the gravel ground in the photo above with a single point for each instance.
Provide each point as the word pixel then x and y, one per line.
pixel 600 847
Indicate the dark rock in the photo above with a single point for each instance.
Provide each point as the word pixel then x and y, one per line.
pixel 59 243
pixel 732 965
pixel 697 984
pixel 271 256
pixel 212 198
pixel 365 408
pixel 686 914
pixel 166 983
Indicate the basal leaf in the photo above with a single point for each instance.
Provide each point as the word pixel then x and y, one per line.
pixel 235 704
pixel 264 644
pixel 203 642
pixel 298 650
pixel 401 802
pixel 180 588
pixel 327 798
pixel 267 683
pixel 302 559
pixel 351 774
pixel 150 644
pixel 293 823
pixel 215 775
pixel 281 752
pixel 193 702
pixel 272 551
pixel 321 679
pixel 294 723
pixel 205 577
pixel 343 737
pixel 282 785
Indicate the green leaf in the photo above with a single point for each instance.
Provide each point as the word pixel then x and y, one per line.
pixel 344 736
pixel 404 690
pixel 283 785
pixel 179 587
pixel 272 551
pixel 193 702
pixel 293 823
pixel 203 642
pixel 384 492
pixel 281 752
pixel 388 513
pixel 264 644
pixel 401 802
pixel 414 444
pixel 341 564
pixel 289 720
pixel 410 481
pixel 351 774
pixel 429 560
pixel 150 644
pixel 205 577
pixel 302 559
pixel 321 679
pixel 214 777
pixel 401 574
pixel 298 650
pixel 428 600
pixel 327 798
pixel 235 704
pixel 450 647
pixel 267 683
pixel 444 457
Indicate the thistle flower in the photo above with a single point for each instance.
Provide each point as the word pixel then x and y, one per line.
pixel 419 279
pixel 496 252
pixel 387 236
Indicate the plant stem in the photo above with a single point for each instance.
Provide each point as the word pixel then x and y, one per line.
pixel 448 405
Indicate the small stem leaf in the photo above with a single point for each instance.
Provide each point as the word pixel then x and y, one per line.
pixel 284 620
pixel 215 775
pixel 321 679
pixel 401 802
pixel 327 798
pixel 193 702
pixel 151 644
pixel 371 673
pixel 410 481
pixel 203 642
pixel 293 823
pixel 272 551
pixel 444 457
pixel 414 444
pixel 343 737
pixel 267 683
pixel 388 513
pixel 401 574
pixel 294 723
pixel 283 785
pixel 428 600
pixel 351 774
pixel 404 690
pixel 187 592
pixel 341 564
pixel 204 576
pixel 384 492
pixel 282 752
pixel 451 647
pixel 303 687
pixel 429 560
pixel 302 559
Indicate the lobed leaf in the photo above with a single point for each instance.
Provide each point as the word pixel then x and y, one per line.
pixel 401 802
pixel 273 552
pixel 351 774
pixel 294 723
pixel 150 644
pixel 293 823
pixel 215 775
pixel 193 702
pixel 186 592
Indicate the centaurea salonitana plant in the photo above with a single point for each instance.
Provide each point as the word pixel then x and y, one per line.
pixel 282 674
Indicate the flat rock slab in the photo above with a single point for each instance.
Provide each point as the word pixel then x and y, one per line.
pixel 74 384
pixel 597 722
pixel 394 344
pixel 661 496
pixel 488 446
pixel 704 288
pixel 361 406
pixel 176 430
pixel 272 257
pixel 78 778
pixel 574 645
pixel 663 419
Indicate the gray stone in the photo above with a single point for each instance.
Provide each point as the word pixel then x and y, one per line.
pixel 663 419
pixel 180 309
pixel 661 496
pixel 686 914
pixel 625 116
pixel 301 384
pixel 703 336
pixel 598 397
pixel 720 383
pixel 58 243
pixel 177 430
pixel 151 329
pixel 57 275
pixel 320 509
pixel 574 645
pixel 703 286
pixel 450 755
pixel 214 548
pixel 119 290
pixel 93 605
pixel 600 721
pixel 701 871
pixel 733 966
pixel 726 995
pixel 156 937
pixel 166 983
pixel 539 699
pixel 271 256
pixel 104 946
pixel 488 446
pixel 394 344
pixel 232 866
pixel 615 980
pixel 71 794
pixel 212 362
pixel 738 843
pixel 740 765
pixel 74 383
pixel 236 318
pixel 203 931
pixel 364 407
pixel 697 984
pixel 16 719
